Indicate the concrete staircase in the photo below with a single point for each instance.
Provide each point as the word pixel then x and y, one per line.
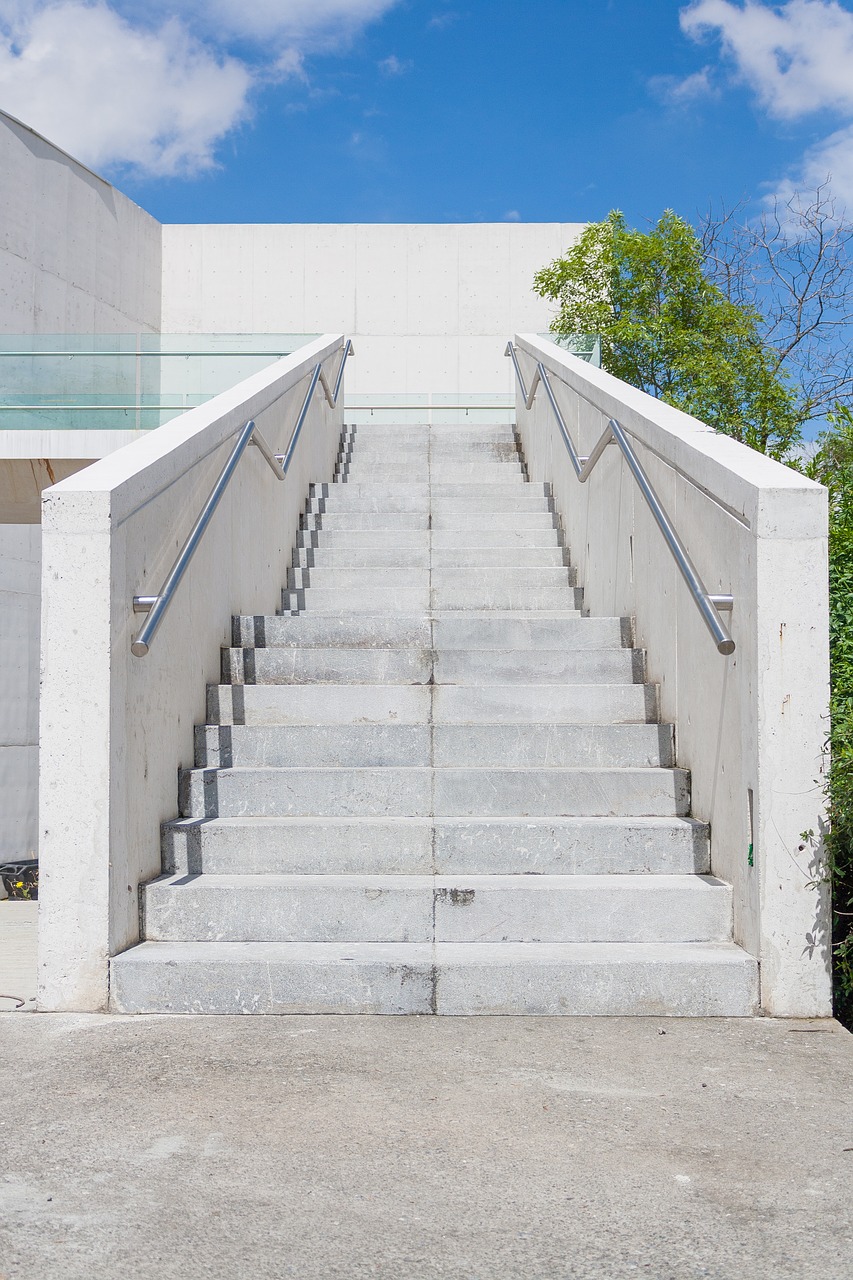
pixel 431 785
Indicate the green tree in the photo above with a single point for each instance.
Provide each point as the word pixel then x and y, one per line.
pixel 666 328
pixel 832 465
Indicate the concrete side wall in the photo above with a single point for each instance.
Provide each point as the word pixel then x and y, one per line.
pixel 20 591
pixel 76 256
pixel 116 728
pixel 428 306
pixel 750 727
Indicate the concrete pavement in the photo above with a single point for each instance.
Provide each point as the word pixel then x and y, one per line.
pixel 176 1148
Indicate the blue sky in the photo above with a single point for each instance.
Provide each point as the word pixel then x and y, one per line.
pixel 433 110
pixel 436 110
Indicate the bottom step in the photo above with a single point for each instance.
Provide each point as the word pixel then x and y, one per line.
pixel 580 979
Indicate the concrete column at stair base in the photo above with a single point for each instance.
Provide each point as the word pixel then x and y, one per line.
pixel 750 727
pixel 115 728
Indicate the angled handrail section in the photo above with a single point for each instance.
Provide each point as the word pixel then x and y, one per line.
pixel 708 604
pixel 156 606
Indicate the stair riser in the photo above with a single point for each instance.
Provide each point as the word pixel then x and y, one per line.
pixel 334 600
pixel 452 631
pixel 583 981
pixel 416 846
pixel 545 704
pixel 369 630
pixel 530 634
pixel 417 792
pixel 390 557
pixel 423 909
pixel 443 746
pixel 487 667
pixel 326 666
pixel 441 704
pixel 321 705
pixel 470 582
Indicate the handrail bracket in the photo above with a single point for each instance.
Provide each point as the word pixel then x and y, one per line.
pixel 709 605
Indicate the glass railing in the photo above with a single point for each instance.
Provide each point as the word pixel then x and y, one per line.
pixel 434 409
pixel 124 381
pixel 586 346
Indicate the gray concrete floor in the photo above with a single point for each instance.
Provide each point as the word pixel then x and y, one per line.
pixel 415 1148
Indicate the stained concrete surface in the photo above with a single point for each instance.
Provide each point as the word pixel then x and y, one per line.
pixel 413 1148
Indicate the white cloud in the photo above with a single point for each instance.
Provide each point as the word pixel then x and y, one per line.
pixel 394 66
pixel 512 215
pixel 111 94
pixel 797 56
pixel 307 23
pixel 156 84
pixel 679 91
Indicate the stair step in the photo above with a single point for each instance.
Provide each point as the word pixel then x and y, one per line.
pixel 366 630
pixel 447 792
pixel 538 666
pixel 328 704
pixel 425 908
pixel 319 665
pixel 450 846
pixel 282 704
pixel 609 746
pixel 582 979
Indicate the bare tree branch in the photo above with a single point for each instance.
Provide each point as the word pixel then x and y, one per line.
pixel 794 266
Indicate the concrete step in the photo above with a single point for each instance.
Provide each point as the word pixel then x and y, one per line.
pixel 390 522
pixel 614 704
pixel 366 581
pixel 336 600
pixel 582 979
pixel 386 556
pixel 319 705
pixel 461 471
pixel 426 908
pixel 494 538
pixel 364 630
pixel 538 666
pixel 319 665
pixel 448 792
pixel 449 846
pixel 610 746
pixel 533 631
pixel 518 559
pixel 284 704
pixel 365 539
pixel 283 664
pixel 459 522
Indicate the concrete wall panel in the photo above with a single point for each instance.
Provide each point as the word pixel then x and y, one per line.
pixel 428 306
pixel 75 254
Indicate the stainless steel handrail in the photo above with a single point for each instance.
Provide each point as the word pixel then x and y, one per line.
pixel 156 606
pixel 708 604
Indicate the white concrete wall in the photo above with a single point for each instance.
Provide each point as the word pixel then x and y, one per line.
pixel 115 728
pixel 755 722
pixel 76 256
pixel 20 590
pixel 428 306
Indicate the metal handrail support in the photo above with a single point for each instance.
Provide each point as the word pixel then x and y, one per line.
pixel 709 605
pixel 331 398
pixel 156 606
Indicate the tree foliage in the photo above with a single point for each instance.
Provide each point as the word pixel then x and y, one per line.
pixel 832 465
pixel 667 328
